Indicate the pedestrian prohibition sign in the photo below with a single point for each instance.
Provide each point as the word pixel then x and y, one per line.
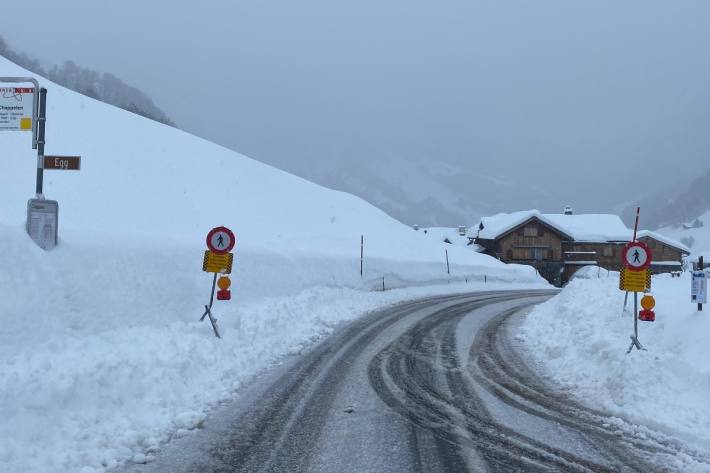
pixel 636 256
pixel 220 240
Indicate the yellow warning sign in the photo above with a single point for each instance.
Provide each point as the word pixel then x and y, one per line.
pixel 214 263
pixel 634 281
pixel 25 123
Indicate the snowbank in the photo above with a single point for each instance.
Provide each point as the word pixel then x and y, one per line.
pixel 580 338
pixel 101 354
pixel 103 357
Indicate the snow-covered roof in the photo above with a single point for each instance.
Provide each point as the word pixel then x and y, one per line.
pixel 582 227
pixel 663 239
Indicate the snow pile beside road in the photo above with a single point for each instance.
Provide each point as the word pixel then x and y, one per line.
pixel 103 356
pixel 579 339
pixel 101 353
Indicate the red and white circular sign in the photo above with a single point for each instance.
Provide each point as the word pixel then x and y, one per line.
pixel 636 255
pixel 221 240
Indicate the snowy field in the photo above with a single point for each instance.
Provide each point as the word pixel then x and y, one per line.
pixel 102 356
pixel 580 338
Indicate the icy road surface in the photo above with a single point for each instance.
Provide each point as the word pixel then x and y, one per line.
pixel 434 385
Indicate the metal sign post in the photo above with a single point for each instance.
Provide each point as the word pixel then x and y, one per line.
pixel 218 260
pixel 208 309
pixel 41 122
pixel 635 276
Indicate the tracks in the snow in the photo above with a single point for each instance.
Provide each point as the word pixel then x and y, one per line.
pixel 420 376
pixel 437 387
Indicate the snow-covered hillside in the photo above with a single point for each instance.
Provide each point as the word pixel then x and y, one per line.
pixel 102 356
pixel 698 239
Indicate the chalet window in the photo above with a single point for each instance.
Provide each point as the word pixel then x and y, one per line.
pixel 522 254
pixel 550 254
pixel 608 251
pixel 540 231
pixel 538 254
pixel 531 231
pixel 509 254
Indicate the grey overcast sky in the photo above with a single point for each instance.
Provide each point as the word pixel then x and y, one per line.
pixel 579 96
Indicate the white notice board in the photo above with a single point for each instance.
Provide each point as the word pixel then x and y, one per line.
pixel 16 108
pixel 699 288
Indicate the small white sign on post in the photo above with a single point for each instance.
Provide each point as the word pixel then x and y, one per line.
pixel 42 222
pixel 16 108
pixel 699 288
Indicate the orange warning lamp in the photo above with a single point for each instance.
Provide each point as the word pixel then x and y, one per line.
pixel 648 303
pixel 223 283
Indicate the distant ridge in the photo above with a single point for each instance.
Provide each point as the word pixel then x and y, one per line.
pixel 666 209
pixel 105 87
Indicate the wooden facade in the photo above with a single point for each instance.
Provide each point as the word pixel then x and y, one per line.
pixel 557 256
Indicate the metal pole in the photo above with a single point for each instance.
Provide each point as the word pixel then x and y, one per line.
pixel 701 267
pixel 636 225
pixel 41 120
pixel 362 251
pixel 636 318
pixel 448 271
pixel 214 283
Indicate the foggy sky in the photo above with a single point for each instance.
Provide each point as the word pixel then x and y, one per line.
pixel 599 101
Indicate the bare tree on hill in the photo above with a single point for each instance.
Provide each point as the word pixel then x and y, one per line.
pixel 105 87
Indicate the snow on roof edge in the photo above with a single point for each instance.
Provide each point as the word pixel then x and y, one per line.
pixel 663 239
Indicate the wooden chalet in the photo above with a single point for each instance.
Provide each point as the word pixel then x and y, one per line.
pixel 557 245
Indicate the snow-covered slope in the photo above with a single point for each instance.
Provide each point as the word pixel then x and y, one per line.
pixel 102 356
pixel 698 239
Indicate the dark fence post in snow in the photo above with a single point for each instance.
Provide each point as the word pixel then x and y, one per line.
pixel 448 271
pixel 383 284
pixel 701 267
pixel 362 250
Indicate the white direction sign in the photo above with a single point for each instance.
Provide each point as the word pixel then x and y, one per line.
pixel 636 256
pixel 699 288
pixel 16 108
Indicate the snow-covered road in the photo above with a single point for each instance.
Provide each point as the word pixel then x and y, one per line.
pixel 432 385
